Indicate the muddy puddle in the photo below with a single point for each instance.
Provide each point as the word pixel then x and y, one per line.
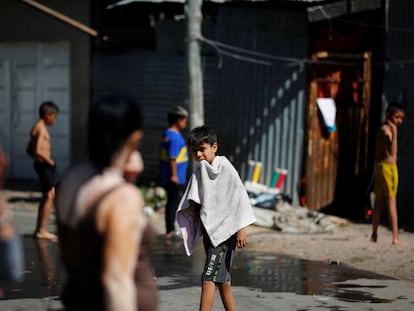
pixel 262 271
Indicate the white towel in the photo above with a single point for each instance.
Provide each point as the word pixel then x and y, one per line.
pixel 225 204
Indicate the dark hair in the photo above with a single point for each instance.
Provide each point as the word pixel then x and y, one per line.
pixel 176 113
pixel 112 119
pixel 202 134
pixel 48 107
pixel 394 107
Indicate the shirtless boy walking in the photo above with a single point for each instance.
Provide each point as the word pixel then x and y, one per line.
pixel 386 171
pixel 39 149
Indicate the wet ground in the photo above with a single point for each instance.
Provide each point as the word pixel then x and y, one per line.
pixel 267 272
pixel 259 272
pixel 261 280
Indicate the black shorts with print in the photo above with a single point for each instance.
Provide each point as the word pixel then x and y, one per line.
pixel 218 259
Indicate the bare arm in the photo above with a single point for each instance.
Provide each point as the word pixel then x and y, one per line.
pixel 173 165
pixel 41 143
pixel 122 220
pixel 193 209
pixel 241 238
pixel 388 133
pixel 386 144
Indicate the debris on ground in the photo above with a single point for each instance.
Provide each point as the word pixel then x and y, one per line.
pixel 277 212
pixel 272 210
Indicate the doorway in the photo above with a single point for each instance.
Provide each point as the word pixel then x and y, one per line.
pixel 336 160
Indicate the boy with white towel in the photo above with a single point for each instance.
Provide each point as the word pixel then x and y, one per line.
pixel 216 206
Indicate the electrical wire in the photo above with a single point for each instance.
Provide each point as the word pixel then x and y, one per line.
pixel 258 57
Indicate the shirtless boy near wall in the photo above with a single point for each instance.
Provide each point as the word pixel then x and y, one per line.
pixel 386 171
pixel 39 149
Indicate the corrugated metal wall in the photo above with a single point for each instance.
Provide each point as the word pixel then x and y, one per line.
pixel 157 80
pixel 399 78
pixel 259 109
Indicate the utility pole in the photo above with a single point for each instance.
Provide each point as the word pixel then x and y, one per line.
pixel 194 18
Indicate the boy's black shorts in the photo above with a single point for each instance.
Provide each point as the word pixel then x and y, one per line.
pixel 47 176
pixel 218 259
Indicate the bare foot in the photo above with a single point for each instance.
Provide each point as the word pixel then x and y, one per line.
pixel 396 242
pixel 169 235
pixel 374 237
pixel 46 236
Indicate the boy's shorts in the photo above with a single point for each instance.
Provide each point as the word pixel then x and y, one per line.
pixel 47 176
pixel 218 259
pixel 386 180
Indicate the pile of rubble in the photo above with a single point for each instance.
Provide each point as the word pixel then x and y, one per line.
pixel 277 212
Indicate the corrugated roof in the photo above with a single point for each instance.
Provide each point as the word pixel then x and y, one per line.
pixel 124 2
